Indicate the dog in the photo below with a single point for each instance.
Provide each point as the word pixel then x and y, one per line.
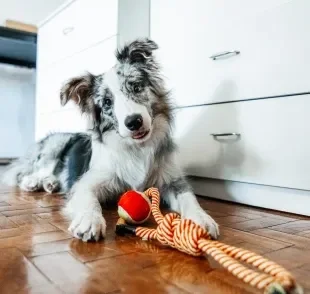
pixel 129 145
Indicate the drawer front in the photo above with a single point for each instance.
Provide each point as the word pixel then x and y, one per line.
pixel 271 36
pixel 69 120
pixel 95 60
pixel 272 149
pixel 80 25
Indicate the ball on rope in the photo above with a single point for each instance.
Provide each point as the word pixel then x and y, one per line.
pixel 185 235
pixel 134 207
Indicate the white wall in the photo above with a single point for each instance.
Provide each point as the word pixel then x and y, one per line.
pixel 17 111
pixel 27 11
pixel 133 20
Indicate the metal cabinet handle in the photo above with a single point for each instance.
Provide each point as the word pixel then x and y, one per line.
pixel 223 54
pixel 68 30
pixel 225 134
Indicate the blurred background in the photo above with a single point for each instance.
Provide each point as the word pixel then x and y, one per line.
pixel 18 43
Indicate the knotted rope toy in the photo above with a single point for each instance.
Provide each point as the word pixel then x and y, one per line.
pixel 188 237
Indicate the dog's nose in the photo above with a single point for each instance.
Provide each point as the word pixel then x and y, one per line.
pixel 134 122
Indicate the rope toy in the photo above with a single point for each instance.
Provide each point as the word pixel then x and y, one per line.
pixel 190 238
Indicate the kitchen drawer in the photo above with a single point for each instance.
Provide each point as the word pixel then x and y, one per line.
pixel 69 120
pixel 78 26
pixel 273 147
pixel 95 60
pixel 272 38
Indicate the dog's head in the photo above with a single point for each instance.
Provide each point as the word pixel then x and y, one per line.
pixel 129 99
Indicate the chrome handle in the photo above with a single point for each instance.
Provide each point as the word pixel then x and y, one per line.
pixel 68 30
pixel 225 134
pixel 223 54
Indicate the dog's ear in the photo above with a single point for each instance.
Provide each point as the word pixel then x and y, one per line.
pixel 79 90
pixel 138 51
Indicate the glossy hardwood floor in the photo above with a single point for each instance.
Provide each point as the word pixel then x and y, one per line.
pixel 37 255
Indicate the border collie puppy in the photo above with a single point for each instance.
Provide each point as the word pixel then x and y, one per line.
pixel 129 146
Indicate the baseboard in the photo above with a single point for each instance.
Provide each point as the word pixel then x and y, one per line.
pixel 277 198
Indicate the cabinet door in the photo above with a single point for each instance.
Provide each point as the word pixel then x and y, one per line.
pixel 271 37
pixel 80 25
pixel 266 142
pixel 69 120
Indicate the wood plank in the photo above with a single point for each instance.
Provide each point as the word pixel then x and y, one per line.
pixel 259 223
pixel 293 227
pixel 70 275
pixel 291 257
pixel 8 207
pixel 297 241
pixel 6 223
pixel 17 25
pixel 17 274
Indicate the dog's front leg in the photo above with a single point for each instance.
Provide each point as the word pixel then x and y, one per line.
pixel 84 208
pixel 180 198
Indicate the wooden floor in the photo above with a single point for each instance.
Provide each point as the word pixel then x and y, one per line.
pixel 37 255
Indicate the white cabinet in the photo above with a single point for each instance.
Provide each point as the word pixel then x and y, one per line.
pixel 80 25
pixel 271 36
pixel 69 120
pixel 272 149
pixel 256 100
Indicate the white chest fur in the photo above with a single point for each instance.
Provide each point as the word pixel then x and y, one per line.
pixel 130 166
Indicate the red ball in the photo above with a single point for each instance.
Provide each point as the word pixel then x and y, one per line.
pixel 134 207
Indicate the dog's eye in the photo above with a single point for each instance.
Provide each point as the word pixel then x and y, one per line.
pixel 107 102
pixel 137 88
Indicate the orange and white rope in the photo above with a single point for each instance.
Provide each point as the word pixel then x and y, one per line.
pixel 188 237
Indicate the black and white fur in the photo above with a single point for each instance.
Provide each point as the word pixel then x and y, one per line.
pixel 129 146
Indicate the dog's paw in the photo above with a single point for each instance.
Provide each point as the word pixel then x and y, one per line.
pixel 51 185
pixel 201 218
pixel 88 226
pixel 30 184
